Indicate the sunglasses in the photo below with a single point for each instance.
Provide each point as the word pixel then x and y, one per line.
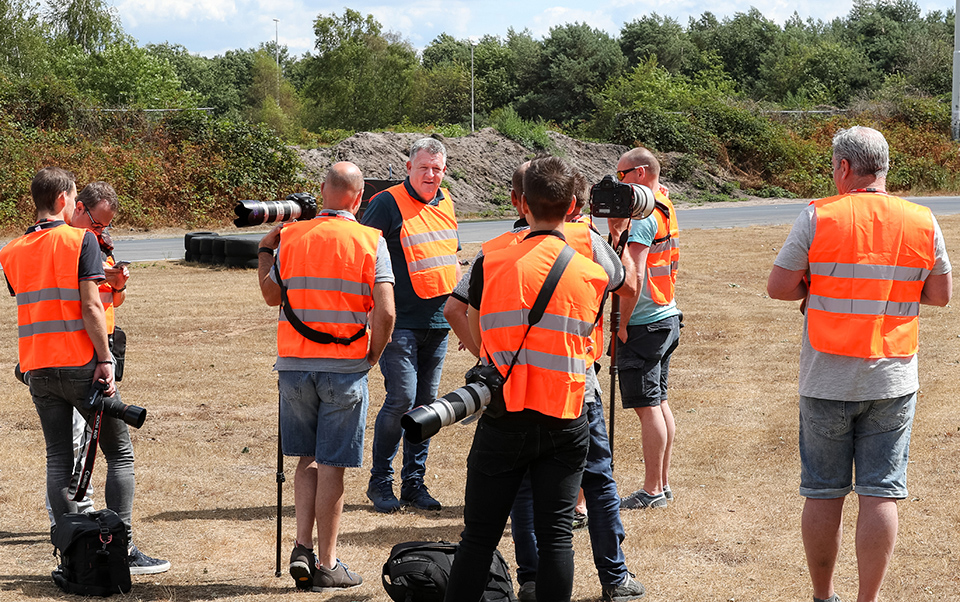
pixel 622 174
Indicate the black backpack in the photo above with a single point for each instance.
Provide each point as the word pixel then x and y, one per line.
pixel 418 571
pixel 93 554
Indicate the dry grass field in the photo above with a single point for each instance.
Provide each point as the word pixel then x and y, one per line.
pixel 202 344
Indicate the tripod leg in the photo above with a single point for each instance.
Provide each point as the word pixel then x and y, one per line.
pixel 280 480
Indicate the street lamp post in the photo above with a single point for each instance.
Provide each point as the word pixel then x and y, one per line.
pixel 276 48
pixel 472 112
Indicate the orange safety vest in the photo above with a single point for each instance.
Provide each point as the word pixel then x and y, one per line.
pixel 328 265
pixel 106 299
pixel 549 375
pixel 663 257
pixel 578 237
pixel 869 258
pixel 43 269
pixel 429 240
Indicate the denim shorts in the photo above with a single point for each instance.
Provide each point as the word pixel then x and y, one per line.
pixel 872 436
pixel 323 415
pixel 644 362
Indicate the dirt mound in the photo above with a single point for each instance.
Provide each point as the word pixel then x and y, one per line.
pixel 479 166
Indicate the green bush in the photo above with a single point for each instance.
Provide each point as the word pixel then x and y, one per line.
pixel 530 134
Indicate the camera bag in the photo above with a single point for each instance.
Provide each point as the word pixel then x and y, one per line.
pixel 93 554
pixel 418 571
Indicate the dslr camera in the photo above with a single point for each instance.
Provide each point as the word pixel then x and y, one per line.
pixel 132 415
pixel 610 198
pixel 484 384
pixel 300 205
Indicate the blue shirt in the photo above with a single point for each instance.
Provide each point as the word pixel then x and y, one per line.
pixel 413 312
pixel 647 311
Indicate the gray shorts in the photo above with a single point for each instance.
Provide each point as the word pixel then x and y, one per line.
pixel 322 416
pixel 644 362
pixel 873 436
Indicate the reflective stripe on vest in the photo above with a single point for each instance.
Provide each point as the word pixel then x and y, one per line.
pixel 869 258
pixel 328 265
pixel 663 256
pixel 429 240
pixel 43 269
pixel 549 375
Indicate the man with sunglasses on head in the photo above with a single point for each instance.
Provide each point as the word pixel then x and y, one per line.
pixel 54 271
pixel 650 331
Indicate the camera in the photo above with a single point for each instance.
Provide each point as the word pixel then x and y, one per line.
pixel 300 205
pixel 132 415
pixel 610 198
pixel 484 384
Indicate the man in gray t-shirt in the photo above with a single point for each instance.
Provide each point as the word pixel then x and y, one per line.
pixel 862 262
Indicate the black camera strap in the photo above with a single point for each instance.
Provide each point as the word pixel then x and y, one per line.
pixel 666 216
pixel 323 338
pixel 83 469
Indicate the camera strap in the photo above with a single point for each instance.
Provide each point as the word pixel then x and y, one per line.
pixel 83 469
pixel 666 217
pixel 323 338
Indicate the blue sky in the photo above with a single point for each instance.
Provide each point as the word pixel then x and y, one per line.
pixel 211 27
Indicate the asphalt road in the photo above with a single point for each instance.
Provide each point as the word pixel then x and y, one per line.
pixel 717 216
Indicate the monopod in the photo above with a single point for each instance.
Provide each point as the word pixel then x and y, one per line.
pixel 280 479
pixel 614 328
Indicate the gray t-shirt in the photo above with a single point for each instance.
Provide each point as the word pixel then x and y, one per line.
pixel 384 273
pixel 839 377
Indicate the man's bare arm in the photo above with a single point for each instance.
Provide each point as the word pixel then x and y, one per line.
pixel 786 285
pixel 95 323
pixel 382 319
pixel 455 312
pixel 937 290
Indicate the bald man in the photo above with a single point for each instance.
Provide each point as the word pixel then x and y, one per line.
pixel 333 279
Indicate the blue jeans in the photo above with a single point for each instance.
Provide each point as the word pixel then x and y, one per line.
pixel 322 416
pixel 603 507
pixel 411 365
pixel 56 392
pixel 873 436
pixel 504 450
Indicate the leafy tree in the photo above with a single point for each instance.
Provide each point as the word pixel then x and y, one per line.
pixel 660 37
pixel 441 94
pixel 576 62
pixel 360 77
pixel 23 50
pixel 739 42
pixel 89 24
pixel 882 28
pixel 446 50
pixel 821 72
pixel 271 99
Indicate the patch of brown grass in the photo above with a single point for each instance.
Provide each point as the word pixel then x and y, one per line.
pixel 201 349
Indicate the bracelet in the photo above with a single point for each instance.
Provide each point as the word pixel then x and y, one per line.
pixel 105 362
pixel 265 250
pixel 119 290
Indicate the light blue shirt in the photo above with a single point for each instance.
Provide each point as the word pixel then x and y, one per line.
pixel 644 232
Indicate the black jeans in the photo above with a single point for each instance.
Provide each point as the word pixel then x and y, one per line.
pixel 554 451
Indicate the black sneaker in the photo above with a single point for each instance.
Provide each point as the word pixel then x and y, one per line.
pixel 580 520
pixel 141 564
pixel 528 592
pixel 302 561
pixel 337 578
pixel 415 494
pixel 630 589
pixel 381 494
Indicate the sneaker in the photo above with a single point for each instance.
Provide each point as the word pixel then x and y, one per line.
pixel 630 589
pixel 527 592
pixel 415 494
pixel 641 499
pixel 381 494
pixel 667 493
pixel 302 561
pixel 141 564
pixel 337 578
pixel 579 520
pixel 833 598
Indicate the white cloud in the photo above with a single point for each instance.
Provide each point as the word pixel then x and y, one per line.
pixel 137 12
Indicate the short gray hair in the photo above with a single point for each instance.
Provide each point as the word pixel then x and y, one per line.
pixel 865 149
pixel 431 145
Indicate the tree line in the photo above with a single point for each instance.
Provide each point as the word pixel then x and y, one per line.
pixel 707 91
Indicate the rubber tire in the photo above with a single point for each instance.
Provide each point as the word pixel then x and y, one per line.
pixel 241 262
pixel 235 246
pixel 191 235
pixel 206 245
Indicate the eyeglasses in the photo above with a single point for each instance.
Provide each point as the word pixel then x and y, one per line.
pixel 97 226
pixel 623 173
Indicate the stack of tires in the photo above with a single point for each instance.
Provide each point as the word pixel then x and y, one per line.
pixel 213 249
